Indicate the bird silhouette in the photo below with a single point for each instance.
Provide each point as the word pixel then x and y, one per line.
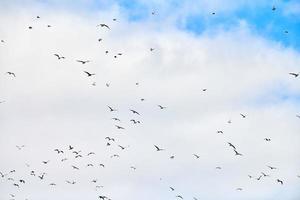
pixel 197 156
pixel 111 109
pixel 280 181
pixel 59 57
pixel 294 74
pixel 271 167
pixel 231 145
pixel 104 25
pixel 244 116
pixel 273 8
pixel 11 74
pixel 46 162
pixel 83 61
pixel 158 149
pixel 237 153
pixel 119 127
pixel 267 139
pixel 134 112
pixel 172 188
pixel 89 74
pixel 161 107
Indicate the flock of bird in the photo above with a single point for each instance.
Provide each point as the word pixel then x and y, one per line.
pixel 71 151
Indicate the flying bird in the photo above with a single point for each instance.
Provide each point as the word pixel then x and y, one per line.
pixel 273 8
pixel 116 119
pixel 11 74
pixel 83 61
pixel 119 127
pixel 89 74
pixel 244 116
pixel 271 167
pixel 158 149
pixel 161 107
pixel 59 57
pixel 231 145
pixel 237 153
pixel 46 162
pixel 267 139
pixel 134 112
pixel 104 25
pixel 172 188
pixel 294 74
pixel 280 181
pixel 197 156
pixel 111 109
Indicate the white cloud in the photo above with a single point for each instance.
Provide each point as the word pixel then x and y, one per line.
pixel 51 104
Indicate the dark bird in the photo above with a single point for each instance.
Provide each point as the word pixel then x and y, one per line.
pixel 115 155
pixel 83 61
pixel 240 189
pixel 218 168
pixel 74 167
pixel 64 159
pixel 250 176
pixel 267 139
pixel 22 181
pixel 271 167
pixel 70 147
pixel 100 39
pixel 158 149
pixel 204 89
pixel 103 197
pixel 101 165
pixel 42 176
pixel 244 116
pixel 197 156
pixel 135 112
pixel 58 151
pixel 20 147
pixel 78 156
pixel 151 49
pixel 280 181
pixel 273 8
pixel 286 32
pixel 2 41
pixel 76 152
pixel 231 145
pixel 179 196
pixel 161 107
pixel 2 175
pixel 265 175
pixel 111 109
pixel 17 185
pixel 220 132
pixel 52 184
pixel 30 27
pixel 237 153
pixel 134 168
pixel 11 73
pixel 298 116
pixel 294 74
pixel 59 57
pixel 48 26
pixel 38 17
pixel 46 162
pixel 135 121
pixel 213 13
pixel 172 188
pixel 90 165
pixel 116 119
pixel 121 147
pixel 172 157
pixel 71 182
pixel 259 177
pixel 119 127
pixel 107 84
pixel 110 139
pixel 103 25
pixel 89 74
pixel 91 153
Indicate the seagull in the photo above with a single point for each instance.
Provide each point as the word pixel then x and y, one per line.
pixel 11 73
pixel 220 132
pixel 267 139
pixel 100 39
pixel 83 61
pixel 135 112
pixel 22 181
pixel 244 116
pixel 172 188
pixel 294 74
pixel 110 139
pixel 59 57
pixel 52 184
pixel 197 156
pixel 42 176
pixel 103 197
pixel 231 145
pixel 111 109
pixel 172 157
pixel 70 147
pixel 237 153
pixel 271 167
pixel 71 182
pixel 179 196
pixel 101 165
pixel 103 25
pixel 121 147
pixel 135 121
pixel 58 151
pixel 280 181
pixel 161 107
pixel 74 167
pixel 89 74
pixel 91 153
pixel 46 162
pixel 158 149
pixel 90 165
pixel 265 175
pixel 119 127
pixel 116 119
pixel 16 185
pixel 30 27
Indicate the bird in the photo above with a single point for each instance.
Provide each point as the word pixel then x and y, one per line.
pixel 151 49
pixel 90 165
pixel 30 27
pixel 172 188
pixel 121 147
pixel 107 84
pixel 119 127
pixel 179 196
pixel 91 153
pixel 250 176
pixel 286 32
pixel 52 184
pixel 83 61
pixel 64 159
pixel 70 147
pixel 273 8
pixel 101 165
pixel 71 182
pixel 280 181
pixel 20 147
pixel 74 167
pixel 2 175
pixel 135 121
pixel 2 41
pixel 271 167
pixel 100 39
pixel 267 139
pixel 38 17
pixel 59 57
pixel 244 116
pixel 172 157
pixel 237 153
pixel 134 168
pixel 197 156
pixel 110 139
pixel 104 25
pixel 259 177
pixel 94 84
pixel 218 168
pixel 220 132
pixel 42 176
pixel 111 109
pixel 116 119
pixel 265 175
pixel 17 185
pixel 115 156
pixel 103 197
pixel 22 181
pixel 11 74
pixel 89 74
pixel 240 189
pixel 48 25
pixel 294 74
pixel 58 151
pixel 161 107
pixel 134 112
pixel 298 116
pixel 213 13
pixel 231 145
pixel 78 156
pixel 157 148
pixel 46 162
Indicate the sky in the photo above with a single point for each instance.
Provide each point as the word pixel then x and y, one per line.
pixel 206 70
